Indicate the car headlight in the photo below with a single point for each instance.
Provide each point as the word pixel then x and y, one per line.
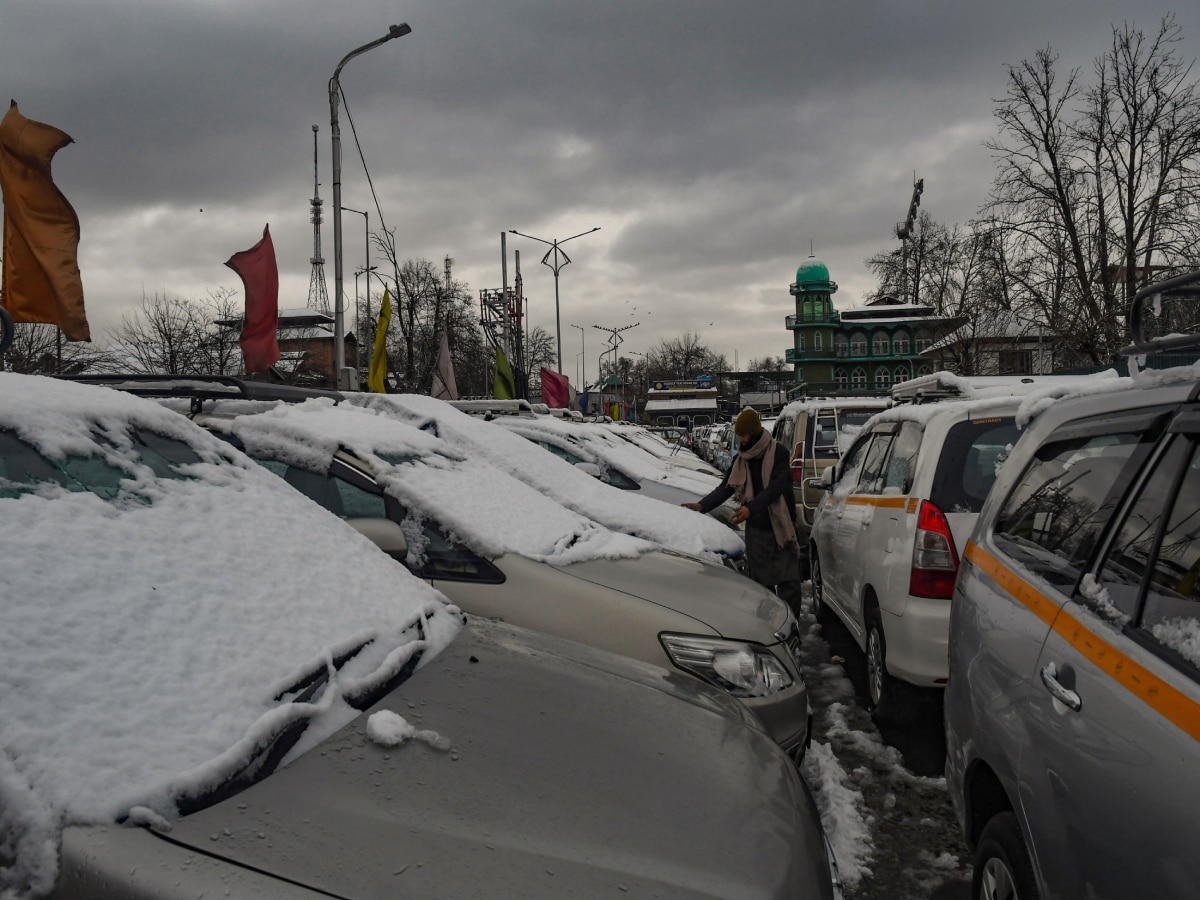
pixel 742 669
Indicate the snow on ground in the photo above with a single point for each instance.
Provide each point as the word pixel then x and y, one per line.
pixel 148 627
pixel 893 832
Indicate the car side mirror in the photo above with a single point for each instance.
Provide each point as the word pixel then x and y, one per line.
pixel 817 484
pixel 827 477
pixel 383 533
pixel 590 468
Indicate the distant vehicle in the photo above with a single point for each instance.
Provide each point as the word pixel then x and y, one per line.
pixel 1073 708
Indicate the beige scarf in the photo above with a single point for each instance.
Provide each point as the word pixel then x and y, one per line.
pixel 743 488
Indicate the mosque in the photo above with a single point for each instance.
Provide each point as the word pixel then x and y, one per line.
pixel 866 348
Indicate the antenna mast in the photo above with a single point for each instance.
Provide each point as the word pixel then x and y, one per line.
pixel 318 296
pixel 904 231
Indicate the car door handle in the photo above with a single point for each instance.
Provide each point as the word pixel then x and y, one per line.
pixel 1066 697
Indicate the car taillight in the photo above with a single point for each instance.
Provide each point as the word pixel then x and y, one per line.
pixel 798 462
pixel 934 559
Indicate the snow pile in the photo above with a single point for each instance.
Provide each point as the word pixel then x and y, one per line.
pixel 474 501
pixel 557 480
pixel 389 729
pixel 841 807
pixel 145 638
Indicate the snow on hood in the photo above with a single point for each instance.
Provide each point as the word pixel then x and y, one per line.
pixel 667 525
pixel 476 502
pixel 145 637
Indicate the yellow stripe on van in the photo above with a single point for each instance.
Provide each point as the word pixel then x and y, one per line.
pixel 1169 702
pixel 888 502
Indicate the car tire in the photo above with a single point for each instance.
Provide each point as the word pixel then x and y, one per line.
pixel 1002 867
pixel 819 609
pixel 891 701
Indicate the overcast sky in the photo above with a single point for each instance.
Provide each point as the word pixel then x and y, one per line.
pixel 712 143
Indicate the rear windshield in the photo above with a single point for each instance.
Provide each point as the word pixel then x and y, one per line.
pixel 971 459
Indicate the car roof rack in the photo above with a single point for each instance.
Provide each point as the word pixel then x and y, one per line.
pixel 948 386
pixel 494 407
pixel 1178 288
pixel 205 388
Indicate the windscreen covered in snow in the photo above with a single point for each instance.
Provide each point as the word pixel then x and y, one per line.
pixel 670 526
pixel 472 500
pixel 160 592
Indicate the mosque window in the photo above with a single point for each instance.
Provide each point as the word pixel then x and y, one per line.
pixel 925 370
pixel 902 373
pixel 858 345
pixel 799 341
pixel 808 311
pixel 881 346
pixel 841 346
pixel 818 341
pixel 883 378
pixel 859 377
pixel 901 343
pixel 839 376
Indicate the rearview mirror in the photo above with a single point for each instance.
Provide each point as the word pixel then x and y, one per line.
pixel 383 533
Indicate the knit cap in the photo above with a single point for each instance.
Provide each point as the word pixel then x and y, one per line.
pixel 747 422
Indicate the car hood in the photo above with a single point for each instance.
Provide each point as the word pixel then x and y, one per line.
pixel 570 771
pixel 730 604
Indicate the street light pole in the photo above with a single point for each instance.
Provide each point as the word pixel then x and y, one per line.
pixel 555 267
pixel 366 268
pixel 339 327
pixel 583 350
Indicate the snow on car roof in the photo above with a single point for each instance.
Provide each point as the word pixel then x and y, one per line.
pixel 633 461
pixel 475 501
pixel 556 479
pixel 810 403
pixel 145 637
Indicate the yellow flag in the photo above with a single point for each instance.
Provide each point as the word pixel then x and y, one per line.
pixel 377 374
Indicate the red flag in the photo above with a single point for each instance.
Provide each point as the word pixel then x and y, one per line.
pixel 556 390
pixel 260 278
pixel 41 281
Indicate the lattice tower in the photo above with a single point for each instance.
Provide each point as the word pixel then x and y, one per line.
pixel 318 296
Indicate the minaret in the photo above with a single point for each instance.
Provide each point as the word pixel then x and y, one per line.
pixel 318 296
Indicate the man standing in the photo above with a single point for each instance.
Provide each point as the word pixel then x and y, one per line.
pixel 761 481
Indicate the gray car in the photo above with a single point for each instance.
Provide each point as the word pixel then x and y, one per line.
pixel 209 686
pixel 1073 708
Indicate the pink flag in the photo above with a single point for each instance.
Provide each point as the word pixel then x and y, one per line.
pixel 444 386
pixel 260 278
pixel 556 390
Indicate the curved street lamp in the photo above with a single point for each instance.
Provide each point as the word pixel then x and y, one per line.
pixel 555 267
pixel 339 326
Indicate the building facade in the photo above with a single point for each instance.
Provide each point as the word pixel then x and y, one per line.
pixel 865 349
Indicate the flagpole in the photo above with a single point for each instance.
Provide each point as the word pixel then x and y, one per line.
pixel 339 325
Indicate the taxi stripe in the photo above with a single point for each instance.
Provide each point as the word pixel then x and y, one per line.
pixel 888 502
pixel 1168 701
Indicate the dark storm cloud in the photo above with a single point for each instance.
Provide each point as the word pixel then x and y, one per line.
pixel 713 142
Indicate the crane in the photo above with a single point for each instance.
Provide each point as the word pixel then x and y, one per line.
pixel 904 231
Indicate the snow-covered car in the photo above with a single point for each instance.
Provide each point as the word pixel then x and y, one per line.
pixel 621 464
pixel 1073 709
pixel 673 453
pixel 210 686
pixel 509 551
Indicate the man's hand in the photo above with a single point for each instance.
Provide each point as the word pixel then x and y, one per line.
pixel 741 515
pixel 693 506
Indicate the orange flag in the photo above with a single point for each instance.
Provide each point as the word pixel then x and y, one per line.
pixel 41 280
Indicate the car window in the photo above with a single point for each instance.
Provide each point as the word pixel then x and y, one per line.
pixel 359 502
pixel 23 468
pixel 873 468
pixel 898 472
pixel 1054 515
pixel 435 556
pixel 848 476
pixel 823 428
pixel 969 462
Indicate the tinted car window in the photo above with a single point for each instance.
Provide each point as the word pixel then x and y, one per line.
pixel 903 460
pixel 1054 515
pixel 871 480
pixel 848 479
pixel 970 460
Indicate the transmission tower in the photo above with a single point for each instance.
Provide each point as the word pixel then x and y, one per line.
pixel 318 296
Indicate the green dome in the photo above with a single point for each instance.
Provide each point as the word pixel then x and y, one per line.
pixel 812 273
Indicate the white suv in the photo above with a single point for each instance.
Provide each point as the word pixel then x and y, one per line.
pixel 889 532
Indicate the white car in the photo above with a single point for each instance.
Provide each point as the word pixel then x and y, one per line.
pixel 889 533
pixel 672 453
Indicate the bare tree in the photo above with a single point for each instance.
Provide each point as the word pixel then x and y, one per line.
pixel 683 358
pixel 1099 183
pixel 176 336
pixel 39 349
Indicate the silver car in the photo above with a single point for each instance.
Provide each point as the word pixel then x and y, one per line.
pixel 209 686
pixel 1073 707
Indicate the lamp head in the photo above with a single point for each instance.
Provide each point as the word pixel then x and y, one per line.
pixel 395 31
